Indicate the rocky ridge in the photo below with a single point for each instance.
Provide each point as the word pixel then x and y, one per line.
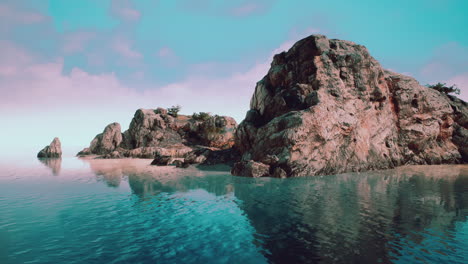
pixel 327 106
pixel 154 133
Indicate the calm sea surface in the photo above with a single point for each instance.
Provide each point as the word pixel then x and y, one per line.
pixel 122 211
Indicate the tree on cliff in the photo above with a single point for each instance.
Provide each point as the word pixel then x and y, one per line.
pixel 174 110
pixel 443 88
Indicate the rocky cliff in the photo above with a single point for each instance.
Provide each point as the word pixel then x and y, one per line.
pixel 327 106
pixel 54 150
pixel 155 132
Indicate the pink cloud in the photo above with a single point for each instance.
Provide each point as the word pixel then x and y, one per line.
pixel 245 9
pixel 12 15
pixel 123 47
pixel 76 106
pixel 77 41
pixel 168 56
pixel 13 59
pixel 447 60
pixel 139 75
pixel 43 86
pixel 248 8
pixel 124 10
pixel 461 81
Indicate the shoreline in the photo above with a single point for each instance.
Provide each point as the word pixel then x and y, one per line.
pixel 142 165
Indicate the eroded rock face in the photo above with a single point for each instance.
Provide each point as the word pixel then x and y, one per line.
pixel 108 141
pixel 54 150
pixel 155 133
pixel 326 106
pixel 212 156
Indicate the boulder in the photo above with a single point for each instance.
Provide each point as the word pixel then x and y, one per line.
pixel 181 164
pixel 212 156
pixel 106 142
pixel 54 150
pixel 326 106
pixel 112 155
pixel 250 169
pixel 162 160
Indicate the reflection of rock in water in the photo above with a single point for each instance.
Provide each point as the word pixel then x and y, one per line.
pixel 110 172
pixel 145 179
pixel 55 164
pixel 348 218
pixel 353 218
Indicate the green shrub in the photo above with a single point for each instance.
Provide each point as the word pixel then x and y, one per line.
pixel 201 116
pixel 174 110
pixel 443 88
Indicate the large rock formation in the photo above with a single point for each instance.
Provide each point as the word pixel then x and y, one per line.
pixel 326 106
pixel 157 133
pixel 54 150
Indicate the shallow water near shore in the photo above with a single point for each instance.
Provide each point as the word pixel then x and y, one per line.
pixel 124 211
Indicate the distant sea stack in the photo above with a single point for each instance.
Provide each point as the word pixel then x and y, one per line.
pixel 54 150
pixel 162 133
pixel 326 106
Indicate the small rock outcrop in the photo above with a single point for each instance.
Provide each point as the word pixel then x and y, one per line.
pixel 155 133
pixel 326 106
pixel 54 150
pixel 106 142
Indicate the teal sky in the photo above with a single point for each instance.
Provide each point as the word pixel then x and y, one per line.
pixel 62 56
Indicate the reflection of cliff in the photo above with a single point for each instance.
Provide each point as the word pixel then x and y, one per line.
pixel 55 164
pixel 353 218
pixel 146 180
pixel 348 218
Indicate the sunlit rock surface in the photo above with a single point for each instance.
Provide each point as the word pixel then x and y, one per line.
pixel 327 106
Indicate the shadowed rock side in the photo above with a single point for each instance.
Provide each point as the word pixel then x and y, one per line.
pixel 54 150
pixel 155 133
pixel 326 107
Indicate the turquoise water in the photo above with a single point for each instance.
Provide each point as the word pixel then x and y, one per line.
pixel 110 211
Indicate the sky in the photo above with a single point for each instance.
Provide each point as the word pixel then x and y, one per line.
pixel 68 68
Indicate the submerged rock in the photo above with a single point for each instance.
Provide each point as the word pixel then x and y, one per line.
pixel 327 106
pixel 54 150
pixel 161 160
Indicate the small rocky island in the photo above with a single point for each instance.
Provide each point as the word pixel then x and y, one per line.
pixel 326 106
pixel 54 150
pixel 168 137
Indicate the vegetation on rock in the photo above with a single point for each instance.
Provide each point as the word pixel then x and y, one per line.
pixel 443 88
pixel 201 116
pixel 174 110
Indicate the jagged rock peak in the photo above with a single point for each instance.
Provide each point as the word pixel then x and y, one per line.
pixel 327 106
pixel 54 150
